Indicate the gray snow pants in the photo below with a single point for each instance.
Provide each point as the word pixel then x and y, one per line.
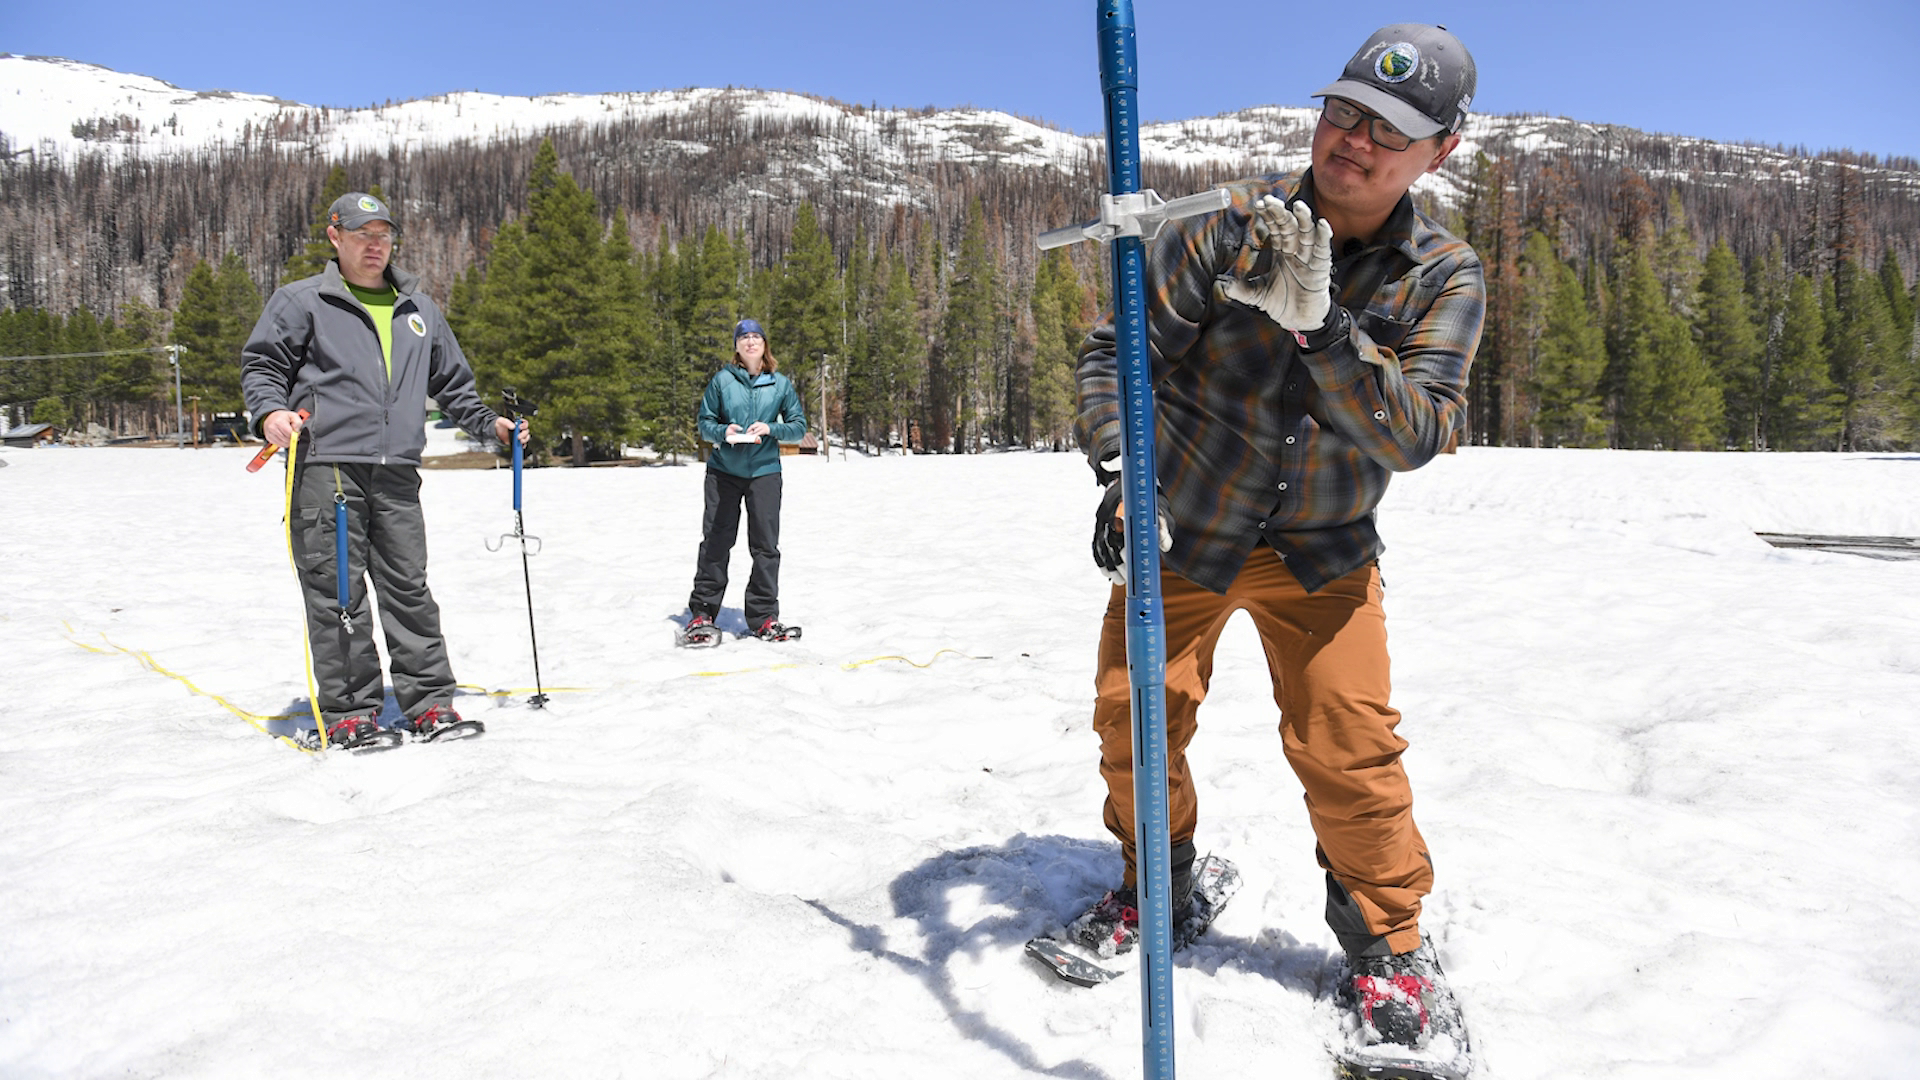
pixel 387 543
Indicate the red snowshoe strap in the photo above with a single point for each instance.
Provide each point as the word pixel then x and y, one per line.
pixel 1376 990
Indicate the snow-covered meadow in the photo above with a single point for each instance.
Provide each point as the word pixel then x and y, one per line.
pixel 1669 773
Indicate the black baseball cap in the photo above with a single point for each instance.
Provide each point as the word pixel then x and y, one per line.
pixel 356 208
pixel 1419 77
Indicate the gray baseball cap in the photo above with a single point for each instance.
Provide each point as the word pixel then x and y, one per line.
pixel 356 208
pixel 1419 77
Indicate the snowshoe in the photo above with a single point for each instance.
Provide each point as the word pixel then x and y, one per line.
pixel 441 724
pixel 355 734
pixel 1403 1021
pixel 1097 946
pixel 774 630
pixel 699 633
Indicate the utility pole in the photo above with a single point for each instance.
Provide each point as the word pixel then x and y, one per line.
pixel 195 398
pixel 179 410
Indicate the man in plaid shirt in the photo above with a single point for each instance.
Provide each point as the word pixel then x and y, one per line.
pixel 1307 342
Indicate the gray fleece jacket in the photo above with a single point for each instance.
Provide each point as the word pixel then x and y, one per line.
pixel 315 348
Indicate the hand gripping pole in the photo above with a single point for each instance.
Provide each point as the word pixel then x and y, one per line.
pixel 1128 218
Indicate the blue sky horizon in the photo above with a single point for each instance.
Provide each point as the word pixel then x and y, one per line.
pixel 1763 72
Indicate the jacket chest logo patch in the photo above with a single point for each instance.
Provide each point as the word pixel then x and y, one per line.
pixel 417 324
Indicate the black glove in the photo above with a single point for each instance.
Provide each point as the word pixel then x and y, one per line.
pixel 1110 534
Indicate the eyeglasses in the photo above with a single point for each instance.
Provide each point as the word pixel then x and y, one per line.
pixel 366 234
pixel 1345 115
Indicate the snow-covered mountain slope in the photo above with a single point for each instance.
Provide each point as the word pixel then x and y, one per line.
pixel 64 108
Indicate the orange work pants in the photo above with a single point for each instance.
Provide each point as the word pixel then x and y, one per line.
pixel 1327 654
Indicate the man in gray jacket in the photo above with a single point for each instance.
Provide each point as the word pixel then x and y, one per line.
pixel 359 347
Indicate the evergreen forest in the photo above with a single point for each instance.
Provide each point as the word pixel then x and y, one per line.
pixel 1645 292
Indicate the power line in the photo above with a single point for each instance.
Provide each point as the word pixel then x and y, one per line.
pixel 85 355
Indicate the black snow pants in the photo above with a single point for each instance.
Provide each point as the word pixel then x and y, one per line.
pixel 720 525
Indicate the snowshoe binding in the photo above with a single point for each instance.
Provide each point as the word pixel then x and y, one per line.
pixel 774 630
pixel 699 633
pixel 1403 1021
pixel 441 724
pixel 354 734
pixel 1097 946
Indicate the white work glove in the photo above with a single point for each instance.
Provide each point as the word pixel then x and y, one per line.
pixel 1297 292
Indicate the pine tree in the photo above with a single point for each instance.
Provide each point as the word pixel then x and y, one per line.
pixel 622 297
pixel 569 335
pixel 805 327
pixel 216 313
pixel 1689 412
pixel 30 332
pixel 1769 288
pixel 859 301
pixel 54 410
pixel 669 380
pixel 710 301
pixel 930 428
pixel 136 376
pixel 1675 260
pixel 1568 351
pixel 1802 410
pixel 484 313
pixel 1904 350
pixel 1499 405
pixel 1911 410
pixel 1631 366
pixel 898 352
pixel 1865 349
pixel 1058 331
pixel 873 382
pixel 1667 396
pixel 966 333
pixel 1724 328
pixel 1893 283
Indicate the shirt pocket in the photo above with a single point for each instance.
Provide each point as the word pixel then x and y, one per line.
pixel 1385 331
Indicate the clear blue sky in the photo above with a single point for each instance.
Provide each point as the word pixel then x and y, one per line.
pixel 1841 73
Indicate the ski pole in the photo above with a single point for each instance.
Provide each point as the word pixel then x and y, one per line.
pixel 1128 218
pixel 518 410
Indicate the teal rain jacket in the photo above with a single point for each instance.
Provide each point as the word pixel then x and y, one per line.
pixel 735 397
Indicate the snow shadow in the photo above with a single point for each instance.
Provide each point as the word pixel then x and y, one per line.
pixel 991 899
pixel 297 715
pixel 1313 971
pixel 732 620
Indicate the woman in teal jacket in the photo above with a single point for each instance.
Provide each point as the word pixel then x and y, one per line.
pixel 749 409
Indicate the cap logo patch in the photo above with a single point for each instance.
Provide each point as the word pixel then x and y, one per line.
pixel 371 207
pixel 1398 63
pixel 417 324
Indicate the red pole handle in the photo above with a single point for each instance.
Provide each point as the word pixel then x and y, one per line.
pixel 267 452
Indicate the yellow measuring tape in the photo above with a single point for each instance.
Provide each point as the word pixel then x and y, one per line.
pixel 849 666
pixel 509 691
pixel 259 720
pixel 147 661
pixel 306 645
